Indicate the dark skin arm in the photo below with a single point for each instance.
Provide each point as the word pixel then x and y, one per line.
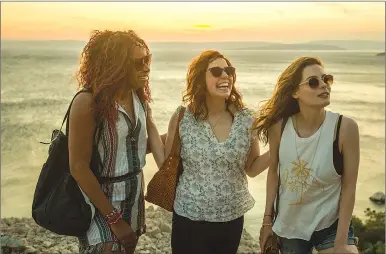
pixel 82 129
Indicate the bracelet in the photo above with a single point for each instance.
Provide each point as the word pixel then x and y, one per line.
pixel 114 220
pixel 113 213
pixel 267 215
pixel 267 224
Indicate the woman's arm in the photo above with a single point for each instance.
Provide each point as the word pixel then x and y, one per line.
pixel 80 140
pixel 156 145
pixel 272 183
pixel 171 133
pixel 272 177
pixel 349 136
pixel 148 149
pixel 256 163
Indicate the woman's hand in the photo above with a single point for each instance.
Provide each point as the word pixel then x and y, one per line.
pixel 125 235
pixel 265 232
pixel 344 249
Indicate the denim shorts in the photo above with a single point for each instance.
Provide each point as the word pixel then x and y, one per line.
pixel 320 240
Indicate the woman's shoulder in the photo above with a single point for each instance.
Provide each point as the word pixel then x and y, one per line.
pixel 82 101
pixel 349 127
pixel 178 110
pixel 247 113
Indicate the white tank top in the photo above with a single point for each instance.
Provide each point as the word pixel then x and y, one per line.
pixel 310 187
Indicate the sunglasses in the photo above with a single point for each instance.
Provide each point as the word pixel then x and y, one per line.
pixel 217 71
pixel 314 82
pixel 139 63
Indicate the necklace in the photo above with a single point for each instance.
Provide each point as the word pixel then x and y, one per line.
pixel 317 144
pixel 218 120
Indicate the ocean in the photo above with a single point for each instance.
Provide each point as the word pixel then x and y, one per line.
pixel 37 84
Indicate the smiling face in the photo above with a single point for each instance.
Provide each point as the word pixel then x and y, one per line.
pixel 318 96
pixel 219 79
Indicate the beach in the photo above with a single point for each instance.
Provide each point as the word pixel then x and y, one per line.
pixel 37 84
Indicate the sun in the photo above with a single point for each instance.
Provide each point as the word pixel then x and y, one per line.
pixel 202 26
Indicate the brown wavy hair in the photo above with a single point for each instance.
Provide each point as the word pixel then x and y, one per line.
pixel 196 89
pixel 282 104
pixel 106 66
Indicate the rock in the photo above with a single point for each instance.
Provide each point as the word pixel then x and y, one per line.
pixel 23 235
pixel 153 232
pixel 164 227
pixel 378 197
pixel 30 250
pixel 11 244
pixel 47 244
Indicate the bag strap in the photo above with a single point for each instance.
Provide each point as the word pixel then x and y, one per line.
pixel 337 129
pixel 176 147
pixel 285 119
pixel 99 126
pixel 67 115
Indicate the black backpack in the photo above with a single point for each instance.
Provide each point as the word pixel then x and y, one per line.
pixel 58 204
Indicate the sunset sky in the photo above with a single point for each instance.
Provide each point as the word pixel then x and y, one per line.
pixel 196 21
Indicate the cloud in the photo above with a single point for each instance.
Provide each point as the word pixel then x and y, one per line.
pixel 352 8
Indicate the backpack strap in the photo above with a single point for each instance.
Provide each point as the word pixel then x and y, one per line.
pixel 337 129
pixel 67 115
pixel 284 122
pixel 98 129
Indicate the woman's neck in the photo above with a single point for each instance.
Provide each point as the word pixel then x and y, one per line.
pixel 311 118
pixel 215 106
pixel 125 97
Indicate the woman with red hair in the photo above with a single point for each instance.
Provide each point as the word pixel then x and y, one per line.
pixel 114 68
pixel 218 151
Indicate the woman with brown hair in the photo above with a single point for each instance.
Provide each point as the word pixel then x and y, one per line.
pixel 217 151
pixel 314 156
pixel 114 68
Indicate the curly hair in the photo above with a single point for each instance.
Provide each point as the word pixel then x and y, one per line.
pixel 282 104
pixel 196 90
pixel 106 68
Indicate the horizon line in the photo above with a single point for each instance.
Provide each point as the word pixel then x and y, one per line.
pixel 175 41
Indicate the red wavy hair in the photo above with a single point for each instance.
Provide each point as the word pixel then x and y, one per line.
pixel 107 68
pixel 196 90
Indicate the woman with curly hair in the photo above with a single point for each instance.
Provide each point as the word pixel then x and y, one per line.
pixel 114 68
pixel 313 164
pixel 217 151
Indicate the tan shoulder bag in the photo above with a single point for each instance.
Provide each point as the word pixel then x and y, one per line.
pixel 161 189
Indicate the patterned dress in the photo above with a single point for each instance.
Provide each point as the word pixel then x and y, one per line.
pixel 123 150
pixel 213 186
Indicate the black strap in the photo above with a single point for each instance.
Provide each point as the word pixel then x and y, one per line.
pixel 285 119
pixel 103 180
pixel 98 129
pixel 337 129
pixel 67 115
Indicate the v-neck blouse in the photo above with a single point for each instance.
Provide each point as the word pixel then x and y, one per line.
pixel 213 186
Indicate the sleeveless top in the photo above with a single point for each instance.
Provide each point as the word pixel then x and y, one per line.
pixel 213 186
pixel 122 149
pixel 310 187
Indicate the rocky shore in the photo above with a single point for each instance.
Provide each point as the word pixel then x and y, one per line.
pixel 23 235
